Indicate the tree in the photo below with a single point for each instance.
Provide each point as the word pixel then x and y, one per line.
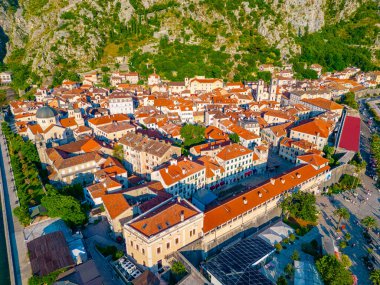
pixel 347 236
pixel 178 271
pixel 329 152
pixel 346 261
pixel 192 134
pixel 65 207
pixel 105 69
pixel 278 247
pixel 369 222
pixel 342 214
pixel 118 152
pixel 292 237
pixel 289 269
pixel 285 206
pixel 301 205
pixel 375 276
pixel 3 98
pixel 106 80
pixel 349 100
pixel 295 255
pixel 234 137
pixel 333 272
pixel 281 280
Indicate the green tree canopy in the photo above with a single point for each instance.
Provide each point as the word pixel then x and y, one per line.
pixel 234 137
pixel 375 277
pixel 192 134
pixel 369 222
pixel 65 207
pixel 349 100
pixel 342 214
pixel 301 205
pixel 333 272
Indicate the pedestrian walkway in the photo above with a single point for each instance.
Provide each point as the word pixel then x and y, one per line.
pixel 21 263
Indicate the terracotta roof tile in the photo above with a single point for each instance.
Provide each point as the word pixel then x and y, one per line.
pixel 163 217
pixel 115 204
pixel 233 151
pixel 235 206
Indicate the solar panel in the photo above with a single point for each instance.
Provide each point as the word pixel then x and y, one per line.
pixel 234 265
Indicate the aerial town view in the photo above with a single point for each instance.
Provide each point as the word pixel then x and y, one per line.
pixel 218 142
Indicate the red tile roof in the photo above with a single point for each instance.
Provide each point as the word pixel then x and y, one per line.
pixel 313 159
pixel 350 135
pixel 235 206
pixel 314 127
pixel 115 204
pixel 163 217
pixel 232 151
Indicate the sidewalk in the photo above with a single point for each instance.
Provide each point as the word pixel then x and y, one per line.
pixel 21 263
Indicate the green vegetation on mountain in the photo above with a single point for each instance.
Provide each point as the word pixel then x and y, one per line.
pixel 227 39
pixel 344 44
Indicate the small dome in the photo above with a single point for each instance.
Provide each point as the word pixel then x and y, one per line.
pixel 46 112
pixel 77 110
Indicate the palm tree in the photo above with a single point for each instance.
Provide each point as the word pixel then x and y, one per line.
pixel 369 222
pixel 375 277
pixel 342 214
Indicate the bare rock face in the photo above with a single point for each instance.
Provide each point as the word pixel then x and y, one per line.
pixel 304 14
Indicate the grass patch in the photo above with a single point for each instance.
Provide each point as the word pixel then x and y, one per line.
pixel 110 250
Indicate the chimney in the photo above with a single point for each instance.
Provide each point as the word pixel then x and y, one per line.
pixel 182 215
pixel 272 181
pixel 282 180
pixel 166 170
pixel 260 194
pixel 298 175
pixel 245 201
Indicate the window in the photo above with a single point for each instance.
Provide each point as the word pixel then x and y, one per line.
pixel 131 243
pixel 137 246
pixel 194 232
pixel 176 241
pixel 158 250
pixel 191 233
pixel 143 251
pixel 168 245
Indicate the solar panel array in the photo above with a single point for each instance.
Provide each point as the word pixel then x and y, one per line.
pixel 233 266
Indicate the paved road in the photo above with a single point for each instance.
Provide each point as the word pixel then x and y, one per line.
pixel 365 203
pixel 21 262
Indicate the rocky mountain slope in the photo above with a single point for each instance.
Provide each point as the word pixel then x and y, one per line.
pixel 230 35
